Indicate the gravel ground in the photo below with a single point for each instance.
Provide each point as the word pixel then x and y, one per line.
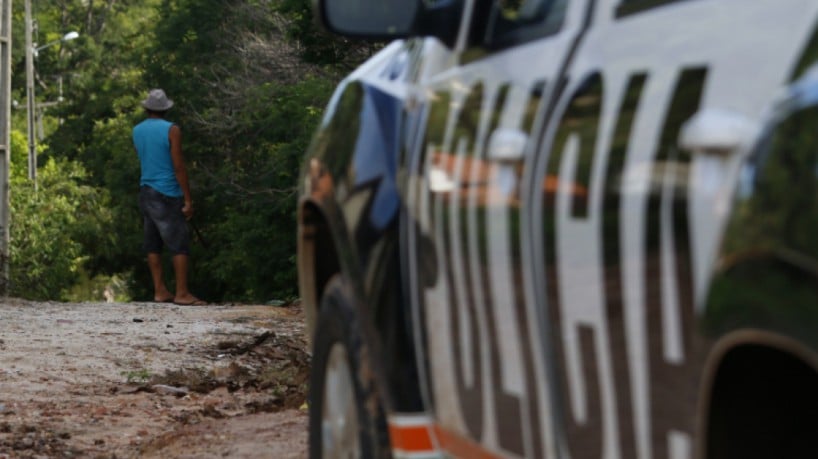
pixel 128 380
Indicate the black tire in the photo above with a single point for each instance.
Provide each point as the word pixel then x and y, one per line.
pixel 338 338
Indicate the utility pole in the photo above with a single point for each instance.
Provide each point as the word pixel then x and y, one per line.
pixel 30 108
pixel 5 141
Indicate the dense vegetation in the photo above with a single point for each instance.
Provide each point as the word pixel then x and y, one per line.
pixel 250 79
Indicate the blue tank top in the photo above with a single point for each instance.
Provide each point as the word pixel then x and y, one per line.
pixel 150 137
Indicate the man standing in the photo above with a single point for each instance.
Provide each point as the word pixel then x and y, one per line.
pixel 164 197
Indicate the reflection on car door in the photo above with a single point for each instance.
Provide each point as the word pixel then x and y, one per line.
pixel 486 376
pixel 629 233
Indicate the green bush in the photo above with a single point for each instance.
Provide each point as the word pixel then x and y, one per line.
pixel 52 226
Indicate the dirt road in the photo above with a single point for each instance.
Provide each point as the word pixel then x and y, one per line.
pixel 145 380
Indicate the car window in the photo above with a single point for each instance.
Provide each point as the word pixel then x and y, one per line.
pixel 516 21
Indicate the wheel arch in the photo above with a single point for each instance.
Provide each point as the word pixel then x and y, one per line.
pixel 376 294
pixel 745 363
pixel 315 240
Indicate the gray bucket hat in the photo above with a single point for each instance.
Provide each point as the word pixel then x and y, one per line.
pixel 157 101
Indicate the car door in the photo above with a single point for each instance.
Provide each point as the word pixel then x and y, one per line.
pixel 479 329
pixel 628 234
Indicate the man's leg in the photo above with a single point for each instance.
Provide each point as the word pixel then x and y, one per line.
pixel 180 267
pixel 160 290
pixel 172 232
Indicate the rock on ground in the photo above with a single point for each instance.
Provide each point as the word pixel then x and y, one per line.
pixel 128 380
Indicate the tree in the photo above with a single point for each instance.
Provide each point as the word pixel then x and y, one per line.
pixel 250 79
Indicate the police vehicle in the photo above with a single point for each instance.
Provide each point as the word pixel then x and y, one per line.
pixel 566 229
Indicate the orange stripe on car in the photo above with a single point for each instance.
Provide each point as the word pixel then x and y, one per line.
pixel 459 446
pixel 411 434
pixel 416 436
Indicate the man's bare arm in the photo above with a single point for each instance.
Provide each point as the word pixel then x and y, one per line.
pixel 175 137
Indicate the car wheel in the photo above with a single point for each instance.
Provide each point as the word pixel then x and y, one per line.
pixel 346 418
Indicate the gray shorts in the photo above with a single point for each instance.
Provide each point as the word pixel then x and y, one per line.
pixel 164 222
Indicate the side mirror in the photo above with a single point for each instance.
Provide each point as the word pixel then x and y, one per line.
pixel 390 19
pixel 368 18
